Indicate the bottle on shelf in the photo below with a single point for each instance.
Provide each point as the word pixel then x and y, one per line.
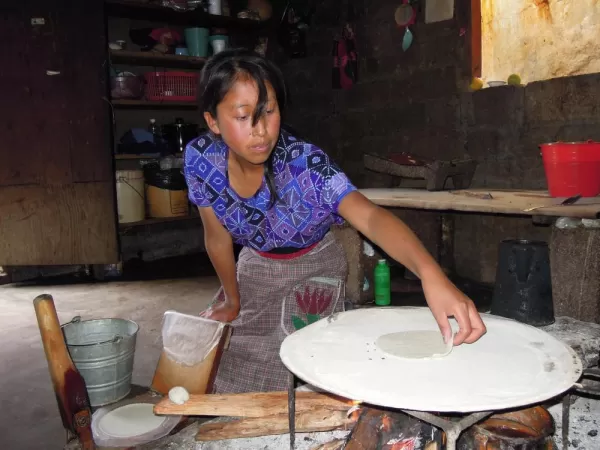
pixel 154 128
pixel 382 283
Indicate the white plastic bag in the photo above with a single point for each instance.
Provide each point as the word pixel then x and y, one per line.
pixel 188 339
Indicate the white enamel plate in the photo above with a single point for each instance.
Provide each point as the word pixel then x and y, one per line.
pixel 512 365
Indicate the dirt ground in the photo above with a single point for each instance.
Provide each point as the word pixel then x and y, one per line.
pixel 30 418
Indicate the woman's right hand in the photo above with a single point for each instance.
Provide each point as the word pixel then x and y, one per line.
pixel 223 311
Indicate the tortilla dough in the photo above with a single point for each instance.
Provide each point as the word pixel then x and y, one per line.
pixel 130 420
pixel 417 344
pixel 179 395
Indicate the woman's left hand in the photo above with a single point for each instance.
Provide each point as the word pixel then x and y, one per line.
pixel 446 300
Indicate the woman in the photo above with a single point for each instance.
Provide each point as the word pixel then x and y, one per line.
pixel 276 195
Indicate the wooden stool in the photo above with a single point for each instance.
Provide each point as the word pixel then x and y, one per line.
pixel 434 172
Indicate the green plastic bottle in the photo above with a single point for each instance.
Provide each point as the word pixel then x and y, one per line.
pixel 382 283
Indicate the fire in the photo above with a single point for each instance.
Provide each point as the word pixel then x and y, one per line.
pixel 386 423
pixel 354 412
pixel 401 444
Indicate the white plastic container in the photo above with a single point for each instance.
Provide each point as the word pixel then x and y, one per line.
pixel 218 46
pixel 214 7
pixel 218 43
pixel 131 200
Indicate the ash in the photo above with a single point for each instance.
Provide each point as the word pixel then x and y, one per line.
pixel 584 426
pixel 186 440
pixel 583 337
pixel 304 441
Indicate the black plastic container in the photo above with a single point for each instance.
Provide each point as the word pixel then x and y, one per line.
pixel 523 288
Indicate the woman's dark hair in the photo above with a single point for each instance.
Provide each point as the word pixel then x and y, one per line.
pixel 223 70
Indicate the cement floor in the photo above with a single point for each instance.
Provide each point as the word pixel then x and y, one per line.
pixel 29 414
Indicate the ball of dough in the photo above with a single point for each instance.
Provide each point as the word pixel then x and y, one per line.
pixel 179 395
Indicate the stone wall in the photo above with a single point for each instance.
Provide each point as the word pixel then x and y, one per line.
pixel 417 101
pixel 539 40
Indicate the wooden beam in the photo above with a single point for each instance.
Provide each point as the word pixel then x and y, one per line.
pixel 306 422
pixel 260 404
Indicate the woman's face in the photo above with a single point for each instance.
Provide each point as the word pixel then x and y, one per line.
pixel 252 143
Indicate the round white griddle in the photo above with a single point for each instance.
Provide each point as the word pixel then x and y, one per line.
pixel 512 365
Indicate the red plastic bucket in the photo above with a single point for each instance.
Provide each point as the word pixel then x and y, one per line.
pixel 572 168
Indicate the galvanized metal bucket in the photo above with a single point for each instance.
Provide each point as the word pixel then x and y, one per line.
pixel 103 352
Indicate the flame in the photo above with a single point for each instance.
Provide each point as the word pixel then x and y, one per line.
pixel 386 423
pixel 354 412
pixel 401 444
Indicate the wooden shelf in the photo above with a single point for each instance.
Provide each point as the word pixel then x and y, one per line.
pixel 120 103
pixel 127 156
pixel 197 18
pixel 152 221
pixel 156 59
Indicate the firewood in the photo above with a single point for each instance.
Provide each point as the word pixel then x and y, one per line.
pixel 366 433
pixel 258 404
pixel 306 422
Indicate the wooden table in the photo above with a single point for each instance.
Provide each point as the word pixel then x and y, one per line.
pixel 509 202
pixel 573 260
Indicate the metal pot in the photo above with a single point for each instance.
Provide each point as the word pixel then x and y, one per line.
pixel 179 134
pixel 126 85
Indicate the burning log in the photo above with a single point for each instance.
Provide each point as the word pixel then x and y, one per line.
pixel 366 433
pixel 306 422
pixel 392 430
pixel 253 405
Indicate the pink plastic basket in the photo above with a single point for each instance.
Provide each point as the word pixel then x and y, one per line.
pixel 171 86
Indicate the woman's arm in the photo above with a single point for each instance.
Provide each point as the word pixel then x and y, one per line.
pixel 219 246
pixel 397 240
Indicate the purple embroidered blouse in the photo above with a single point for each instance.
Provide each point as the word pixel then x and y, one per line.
pixel 309 185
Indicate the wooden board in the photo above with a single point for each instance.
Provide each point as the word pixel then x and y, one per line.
pixel 306 422
pixel 154 12
pixel 124 103
pixel 70 224
pixel 196 379
pixel 57 201
pixel 136 157
pixel 258 404
pixel 511 202
pixel 156 59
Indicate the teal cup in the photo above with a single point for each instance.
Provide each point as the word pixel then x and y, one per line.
pixel 197 41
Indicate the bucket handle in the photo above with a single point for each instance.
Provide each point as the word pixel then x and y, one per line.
pixel 132 187
pixel 115 340
pixel 75 319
